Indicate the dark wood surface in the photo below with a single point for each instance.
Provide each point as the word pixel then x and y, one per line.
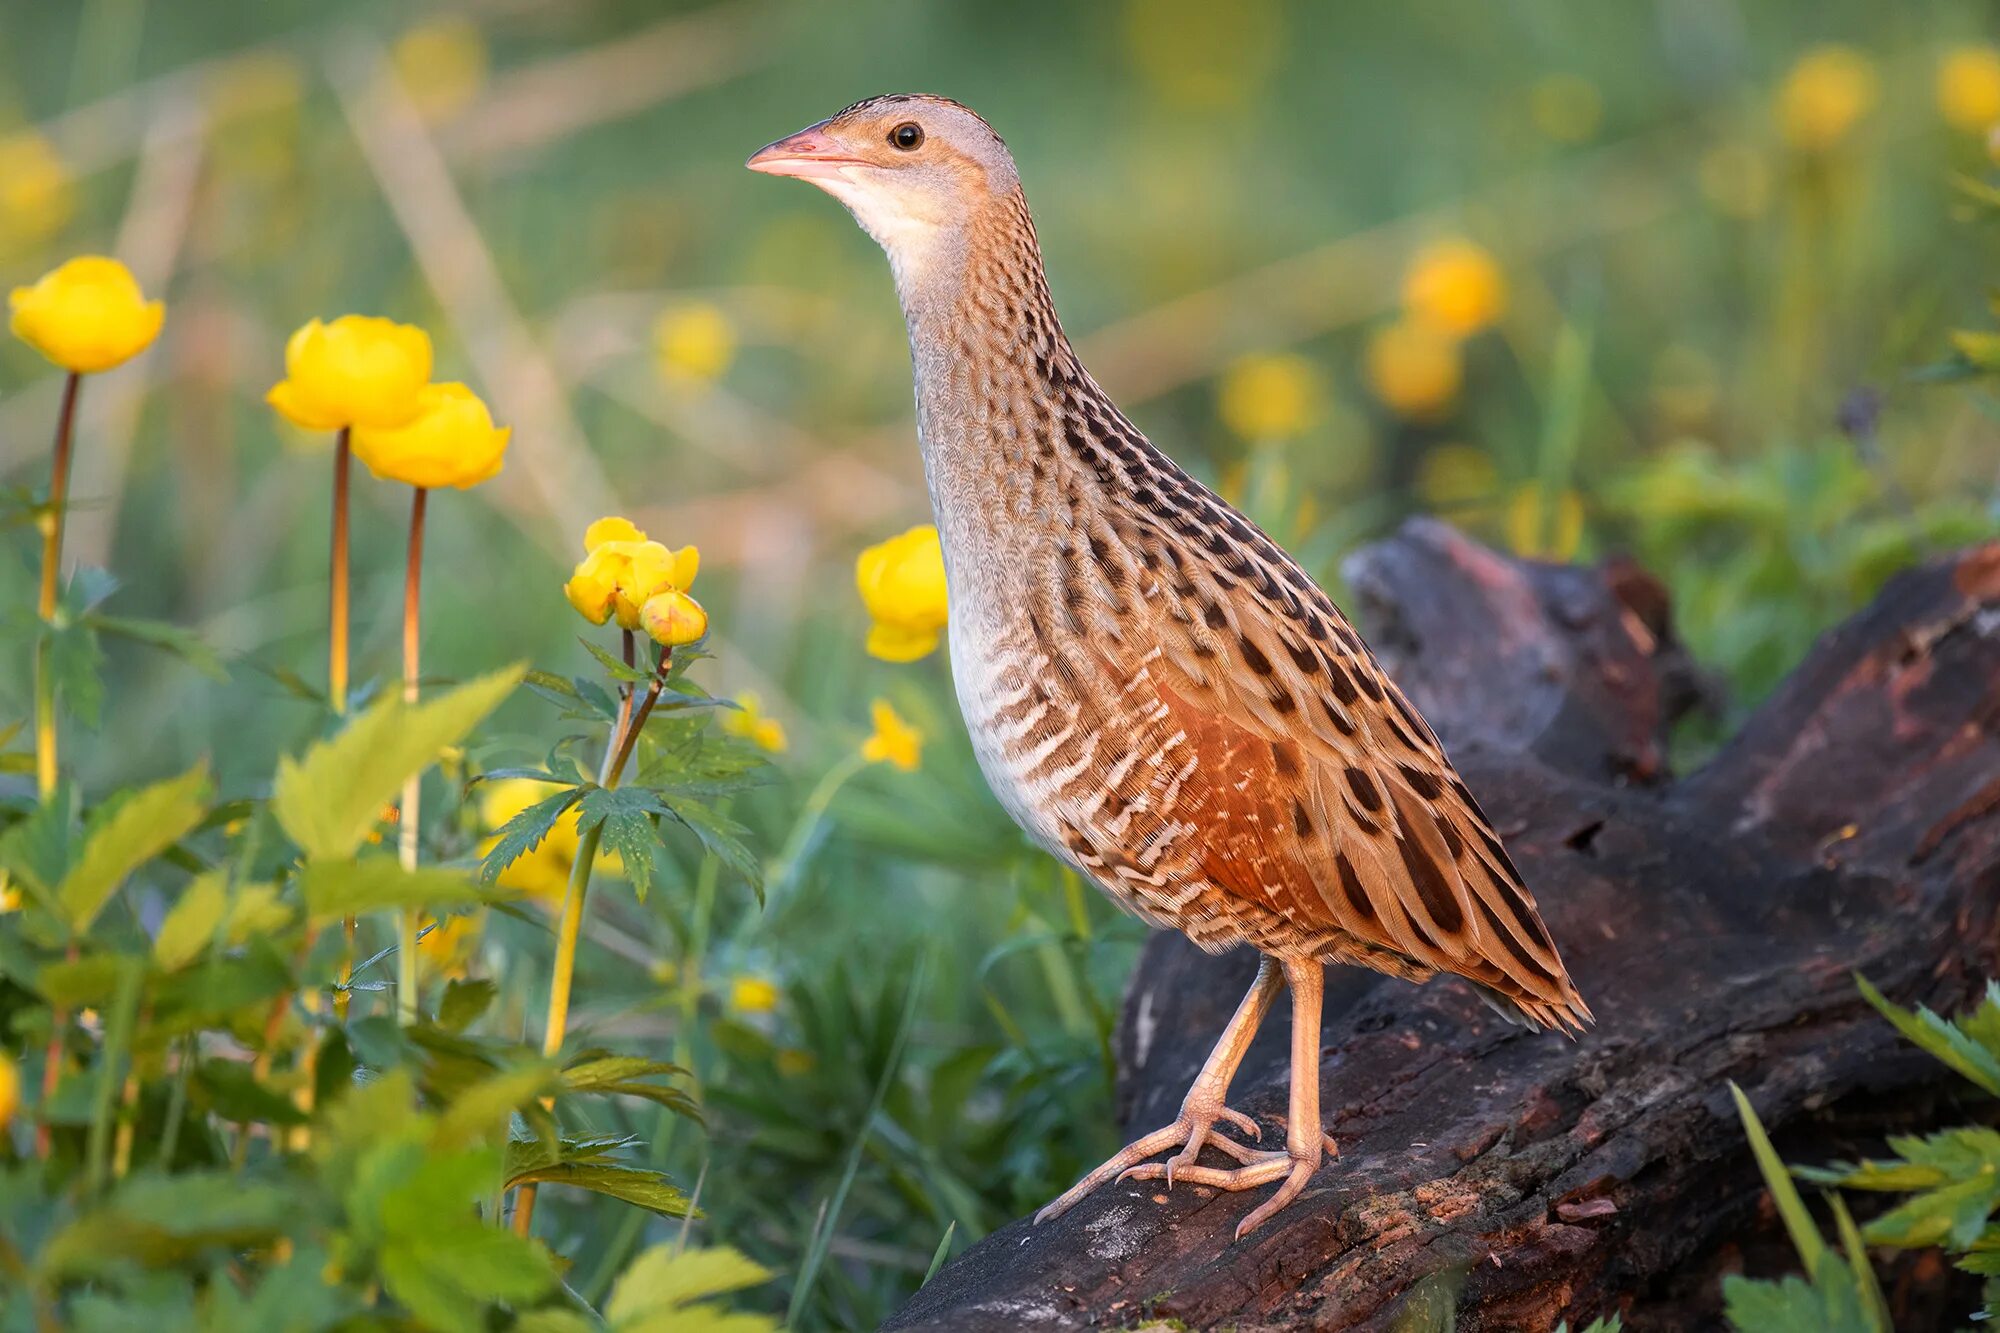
pixel 1713 923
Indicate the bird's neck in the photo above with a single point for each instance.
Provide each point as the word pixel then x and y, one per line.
pixel 994 378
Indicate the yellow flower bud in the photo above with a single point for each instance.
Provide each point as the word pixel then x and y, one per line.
pixel 674 618
pixel 1968 88
pixel 1455 287
pixel 902 584
pixel 356 371
pixel 452 441
pixel 610 530
pixel 442 65
pixel 87 315
pixel 446 949
pixel 753 995
pixel 10 1089
pixel 650 569
pixel 894 741
pixel 1825 96
pixel 1414 369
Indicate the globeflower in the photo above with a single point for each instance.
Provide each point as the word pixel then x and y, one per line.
pixel 10 1089
pixel 1824 96
pixel 894 740
pixel 451 441
pixel 753 995
pixel 87 315
pixel 694 342
pixel 357 371
pixel 1455 287
pixel 1414 369
pixel 902 584
pixel 1968 88
pixel 621 571
pixel 1269 397
pixel 37 195
pixel 747 720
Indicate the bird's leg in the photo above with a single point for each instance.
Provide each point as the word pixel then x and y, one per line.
pixel 1202 1106
pixel 1306 1140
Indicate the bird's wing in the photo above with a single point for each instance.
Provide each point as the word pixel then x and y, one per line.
pixel 1315 784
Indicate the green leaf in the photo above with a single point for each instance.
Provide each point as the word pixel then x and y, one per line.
pixel 207 912
pixel 1831 1304
pixel 525 831
pixel 624 1075
pixel 182 643
pixel 664 1278
pixel 624 818
pixel 1950 1215
pixel 132 833
pixel 76 664
pixel 1941 1038
pixel 335 889
pixel 464 1001
pixel 721 837
pixel 635 1185
pixel 1798 1222
pixel 614 666
pixel 483 1110
pixel 330 800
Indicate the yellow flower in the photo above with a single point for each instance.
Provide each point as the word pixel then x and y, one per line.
pixel 356 371
pixel 1566 107
pixel 452 441
pixel 673 618
pixel 902 585
pixel 1414 369
pixel 1824 96
pixel 441 64
pixel 36 193
pixel 447 947
pixel 621 571
pixel 748 721
pixel 694 342
pixel 1455 287
pixel 894 741
pixel 1968 88
pixel 1269 397
pixel 10 1089
pixel 611 529
pixel 1543 524
pixel 753 995
pixel 87 315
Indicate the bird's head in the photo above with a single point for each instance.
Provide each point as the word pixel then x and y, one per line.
pixel 913 169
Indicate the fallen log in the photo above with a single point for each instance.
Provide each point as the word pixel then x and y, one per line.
pixel 1714 923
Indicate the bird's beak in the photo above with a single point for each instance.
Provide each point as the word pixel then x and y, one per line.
pixel 809 155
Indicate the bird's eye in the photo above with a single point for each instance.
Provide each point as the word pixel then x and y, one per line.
pixel 908 136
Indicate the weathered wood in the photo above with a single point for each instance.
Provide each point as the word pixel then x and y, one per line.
pixel 1713 923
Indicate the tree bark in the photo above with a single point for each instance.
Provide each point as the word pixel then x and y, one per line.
pixel 1715 924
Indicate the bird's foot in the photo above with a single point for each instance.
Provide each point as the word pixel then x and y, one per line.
pixel 1295 1166
pixel 1191 1130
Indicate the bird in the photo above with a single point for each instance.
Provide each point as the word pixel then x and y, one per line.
pixel 1155 691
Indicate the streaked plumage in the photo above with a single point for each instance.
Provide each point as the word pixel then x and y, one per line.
pixel 1155 691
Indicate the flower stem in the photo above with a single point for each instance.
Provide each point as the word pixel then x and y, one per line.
pixel 569 929
pixel 52 538
pixel 336 632
pixel 406 819
pixel 336 662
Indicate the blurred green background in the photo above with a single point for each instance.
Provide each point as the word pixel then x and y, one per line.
pixel 1677 278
